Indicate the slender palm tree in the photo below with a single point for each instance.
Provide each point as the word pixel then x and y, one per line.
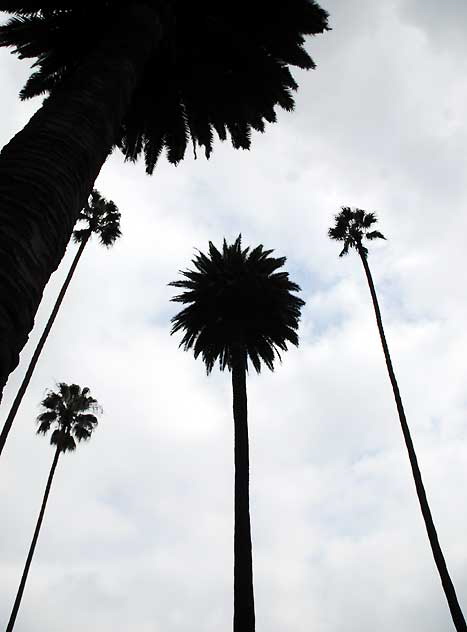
pixel 102 218
pixel 351 226
pixel 141 75
pixel 70 411
pixel 239 308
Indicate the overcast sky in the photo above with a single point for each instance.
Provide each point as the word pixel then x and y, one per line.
pixel 138 533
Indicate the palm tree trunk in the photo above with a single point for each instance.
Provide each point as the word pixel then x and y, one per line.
pixel 244 607
pixel 454 607
pixel 40 346
pixel 24 577
pixel 47 170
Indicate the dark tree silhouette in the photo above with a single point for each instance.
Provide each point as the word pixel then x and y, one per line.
pixel 239 307
pixel 102 218
pixel 351 226
pixel 144 76
pixel 70 410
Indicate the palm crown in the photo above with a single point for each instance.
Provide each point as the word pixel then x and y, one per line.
pixel 237 297
pixel 219 67
pixel 101 217
pixel 351 226
pixel 70 411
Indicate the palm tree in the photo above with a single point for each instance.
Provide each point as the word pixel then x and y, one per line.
pixel 350 228
pixel 70 411
pixel 101 217
pixel 239 308
pixel 144 76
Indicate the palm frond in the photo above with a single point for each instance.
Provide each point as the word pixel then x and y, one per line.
pixel 101 217
pixel 375 234
pixel 345 249
pixel 70 409
pixel 44 427
pixel 368 219
pixel 214 71
pixel 82 433
pixel 80 235
pixel 48 416
pixel 351 226
pixel 63 440
pixel 237 295
pixel 51 401
pixel 86 420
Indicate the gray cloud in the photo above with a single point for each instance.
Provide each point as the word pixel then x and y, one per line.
pixel 444 24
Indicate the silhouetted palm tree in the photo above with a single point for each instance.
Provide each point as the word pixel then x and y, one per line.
pixel 102 218
pixel 145 76
pixel 351 227
pixel 239 307
pixel 70 410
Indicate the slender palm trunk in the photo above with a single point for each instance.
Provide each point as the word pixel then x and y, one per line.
pixel 244 607
pixel 47 170
pixel 40 346
pixel 24 577
pixel 454 607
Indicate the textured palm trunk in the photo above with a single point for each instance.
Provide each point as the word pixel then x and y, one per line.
pixel 244 606
pixel 40 346
pixel 24 577
pixel 47 171
pixel 454 607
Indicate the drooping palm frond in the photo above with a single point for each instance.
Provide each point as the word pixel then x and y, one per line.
pixel 63 439
pixel 100 217
pixel 45 420
pixel 219 68
pixel 237 296
pixel 375 234
pixel 70 410
pixel 351 226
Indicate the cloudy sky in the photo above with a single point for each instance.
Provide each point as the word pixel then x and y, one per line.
pixel 138 530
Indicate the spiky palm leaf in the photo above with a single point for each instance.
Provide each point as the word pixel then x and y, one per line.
pixel 102 218
pixel 70 411
pixel 218 68
pixel 351 226
pixel 237 296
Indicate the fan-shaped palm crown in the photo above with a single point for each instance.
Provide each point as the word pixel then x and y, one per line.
pixel 70 410
pixel 351 226
pixel 220 66
pixel 101 217
pixel 237 297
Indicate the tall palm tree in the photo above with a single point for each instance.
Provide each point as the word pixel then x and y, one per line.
pixel 239 308
pixel 102 218
pixel 70 410
pixel 351 226
pixel 142 75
